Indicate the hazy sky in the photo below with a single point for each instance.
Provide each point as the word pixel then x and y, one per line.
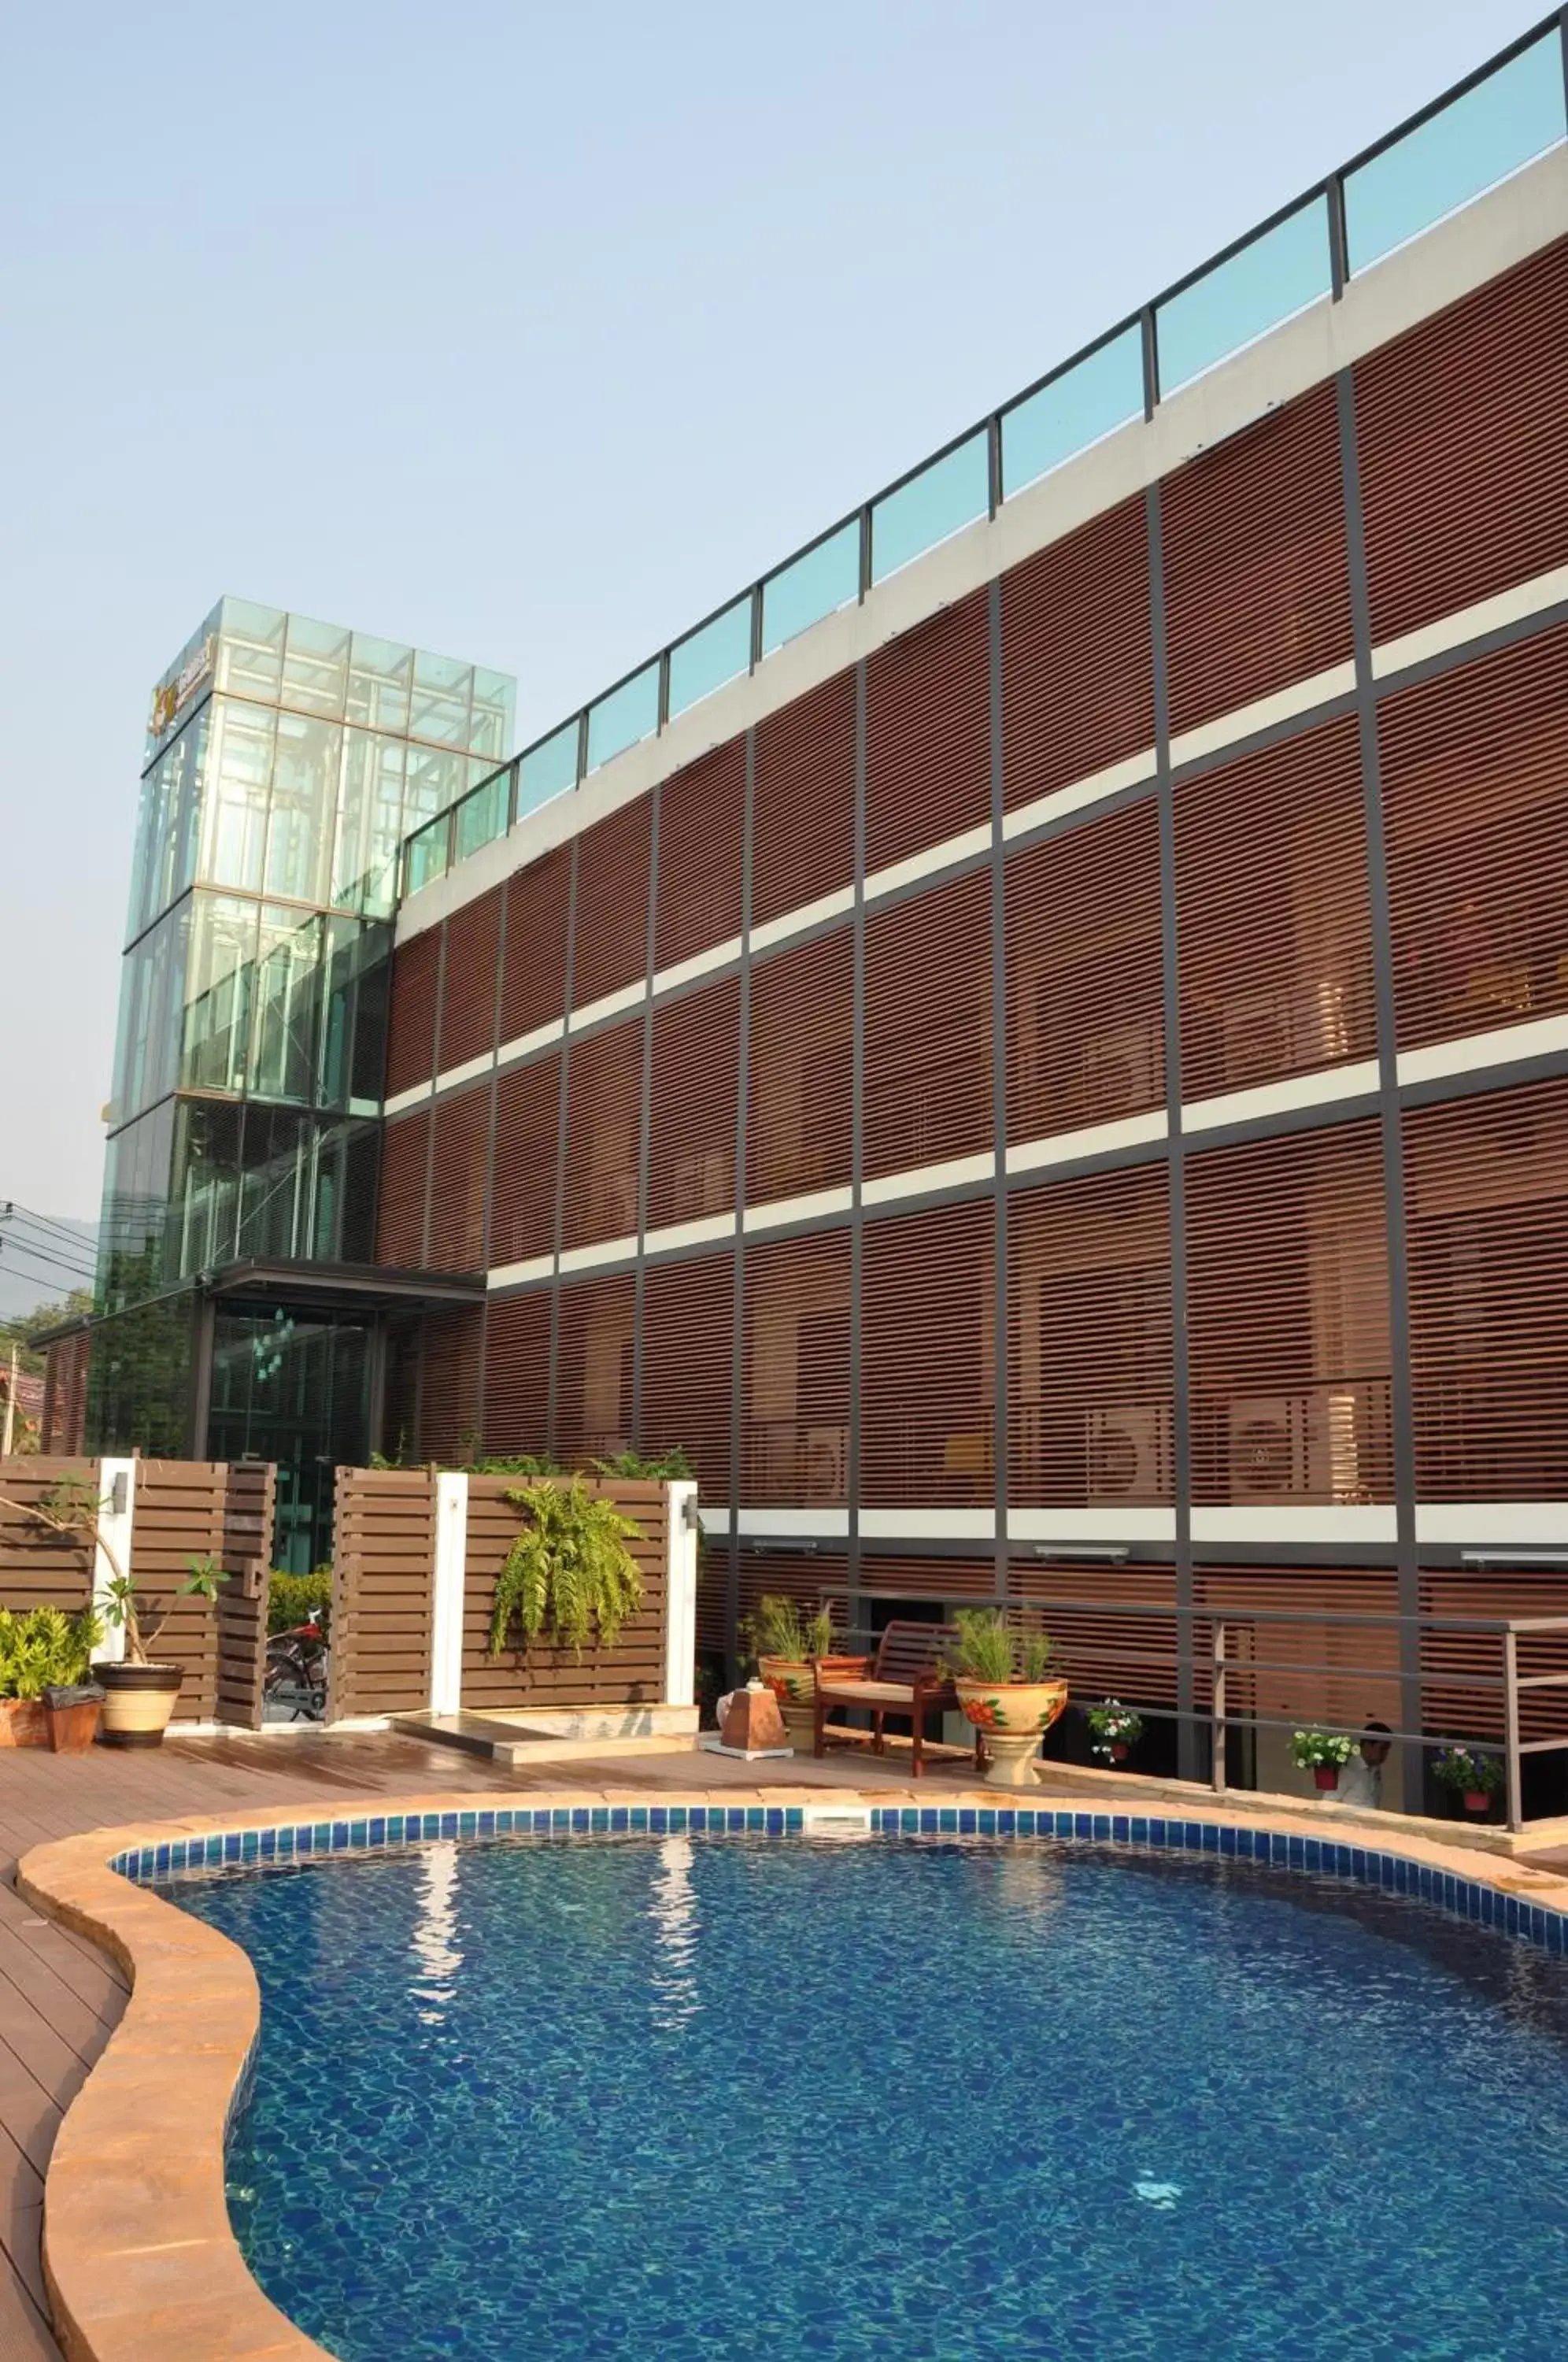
pixel 529 333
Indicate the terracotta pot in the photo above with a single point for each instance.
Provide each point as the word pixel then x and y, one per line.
pixel 138 1703
pixel 1326 1776
pixel 22 1723
pixel 793 1683
pixel 1476 1802
pixel 73 1728
pixel 1011 1709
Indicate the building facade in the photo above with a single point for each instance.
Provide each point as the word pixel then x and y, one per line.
pixel 1044 1063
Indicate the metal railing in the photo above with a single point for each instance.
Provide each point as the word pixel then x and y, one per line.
pixel 1222 1619
pixel 1476 134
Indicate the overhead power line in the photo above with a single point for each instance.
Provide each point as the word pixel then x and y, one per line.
pixel 41 1254
pixel 13 1212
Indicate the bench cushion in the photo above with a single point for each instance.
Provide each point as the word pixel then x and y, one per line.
pixel 856 1692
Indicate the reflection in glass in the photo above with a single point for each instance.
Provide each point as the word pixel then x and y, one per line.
pixel 1096 395
pixel 943 498
pixel 1270 279
pixel 250 650
pixel 239 771
pixel 1479 139
pixel 428 855
pixel 436 779
pixel 316 667
pixel 304 806
pixel 492 722
pixel 481 815
pixel 548 769
pixel 707 659
pixel 443 691
pixel 369 822
pixel 381 677
pixel 815 584
pixel 626 715
pixel 217 993
pixel 152 1009
pixel 287 998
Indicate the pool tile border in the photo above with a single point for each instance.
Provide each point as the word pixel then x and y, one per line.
pixel 139 2259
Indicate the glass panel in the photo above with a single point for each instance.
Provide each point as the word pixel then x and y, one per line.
pixel 188 678
pixel 152 983
pixel 620 719
pixel 710 657
pixel 492 728
pixel 240 772
pixel 217 993
pixel 481 815
pixel 305 806
pixel 1278 274
pixel 443 691
pixel 369 822
pixel 250 650
pixel 427 857
pixel 1097 394
pixel 204 1193
pixel 548 769
pixel 1472 144
pixel 287 993
pixel 315 667
pixel 817 583
pixel 381 676
pixel 435 780
pixel 940 500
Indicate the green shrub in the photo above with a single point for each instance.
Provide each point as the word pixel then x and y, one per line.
pixel 568 1574
pixel 298 1598
pixel 986 1648
pixel 45 1649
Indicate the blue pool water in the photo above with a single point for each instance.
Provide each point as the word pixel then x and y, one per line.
pixel 900 2102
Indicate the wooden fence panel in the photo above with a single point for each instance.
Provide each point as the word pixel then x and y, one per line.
pixel 250 1498
pixel 39 1569
pixel 633 1670
pixel 179 1515
pixel 382 1581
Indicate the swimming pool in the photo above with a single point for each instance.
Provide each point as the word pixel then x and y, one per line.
pixel 654 2096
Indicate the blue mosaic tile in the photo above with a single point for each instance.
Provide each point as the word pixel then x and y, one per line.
pixel 987 1821
pixel 620 1817
pixel 678 1814
pixel 659 1817
pixel 968 1822
pixel 639 1816
pixel 909 1820
pixel 598 1818
pixel 775 1820
pixel 794 1816
pixel 1120 1828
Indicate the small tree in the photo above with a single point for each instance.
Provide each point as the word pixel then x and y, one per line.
pixel 72 1507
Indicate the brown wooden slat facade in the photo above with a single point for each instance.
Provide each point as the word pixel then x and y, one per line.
pixel 543 1676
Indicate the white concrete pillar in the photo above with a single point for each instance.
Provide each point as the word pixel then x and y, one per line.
pixel 116 1526
pixel 680 1595
pixel 446 1598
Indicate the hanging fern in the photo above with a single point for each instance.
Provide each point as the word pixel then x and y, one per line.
pixel 568 1574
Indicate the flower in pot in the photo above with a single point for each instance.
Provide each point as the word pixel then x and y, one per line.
pixel 1473 1777
pixel 139 1689
pixel 1114 1729
pixel 1002 1676
pixel 41 1652
pixel 1324 1753
pixel 788 1644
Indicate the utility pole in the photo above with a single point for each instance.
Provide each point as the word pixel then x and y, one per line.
pixel 10 1410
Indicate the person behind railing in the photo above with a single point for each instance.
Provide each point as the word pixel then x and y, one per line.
pixel 1360 1781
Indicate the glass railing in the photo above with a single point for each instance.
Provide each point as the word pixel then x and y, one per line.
pixel 1501 119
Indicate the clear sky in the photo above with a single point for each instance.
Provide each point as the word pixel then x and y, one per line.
pixel 529 333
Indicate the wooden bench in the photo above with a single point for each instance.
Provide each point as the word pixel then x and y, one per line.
pixel 907 1675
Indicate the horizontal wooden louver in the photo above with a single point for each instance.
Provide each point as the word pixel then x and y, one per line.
pixel 765 1574
pixel 518 1372
pixel 691 1122
pixel 604 1087
pixel 527 1121
pixel 1463 454
pixel 927 1363
pixel 802 843
pixel 449 1394
pixel 1475 801
pixel 1104 1654
pixel 610 947
pixel 457 1172
pixel 795 1371
pixel 895 1577
pixel 1486 1217
pixel 1077 667
pixel 1089 1372
pixel 468 979
pixel 1287 1310
pixel 928 765
pixel 594 1349
pixel 1461 1672
pixel 701 827
pixel 1085 1022
pixel 1257 586
pixel 800 1070
pixel 400 1221
pixel 411 1020
pixel 1314 1671
pixel 533 976
pixel 1274 929
pixel 928 1026
pixel 688 1359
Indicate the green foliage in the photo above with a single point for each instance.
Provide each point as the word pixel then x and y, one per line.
pixel 522 1463
pixel 568 1576
pixel 202 1576
pixel 1467 1773
pixel 45 1649
pixel 671 1467
pixel 298 1598
pixel 1315 1748
pixel 1113 1724
pixel 781 1627
pixel 23 1327
pixel 989 1649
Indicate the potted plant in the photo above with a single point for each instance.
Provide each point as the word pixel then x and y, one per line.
pixel 789 1644
pixel 1115 1730
pixel 139 1689
pixel 40 1651
pixel 1002 1678
pixel 1473 1777
pixel 568 1576
pixel 1324 1753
